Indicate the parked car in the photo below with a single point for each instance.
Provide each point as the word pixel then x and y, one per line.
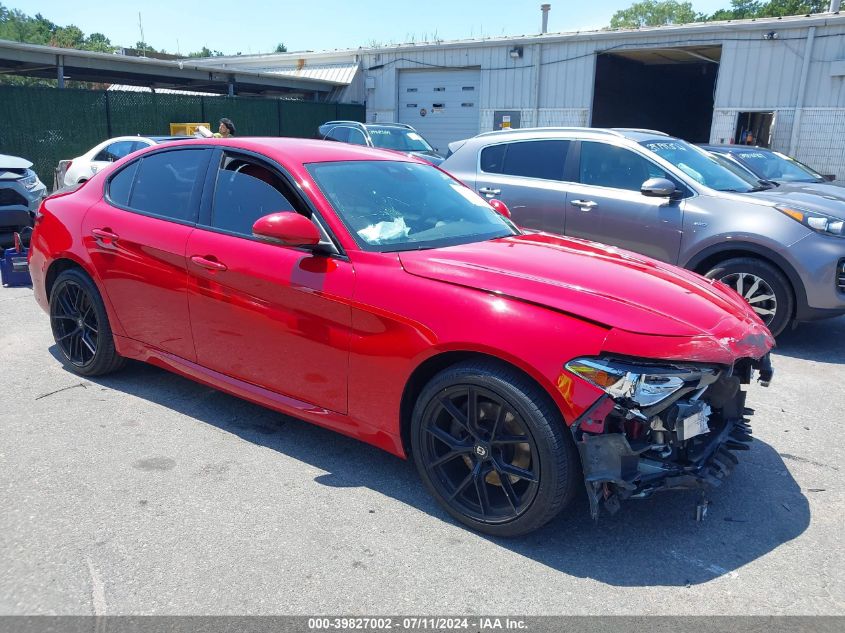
pixel 21 192
pixel 396 136
pixel 373 294
pixel 81 168
pixel 769 165
pixel 781 249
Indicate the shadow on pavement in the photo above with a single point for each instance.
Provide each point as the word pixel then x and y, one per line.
pixel 650 542
pixel 820 341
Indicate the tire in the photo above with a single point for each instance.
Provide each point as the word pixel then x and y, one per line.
pixel 746 271
pixel 517 454
pixel 81 325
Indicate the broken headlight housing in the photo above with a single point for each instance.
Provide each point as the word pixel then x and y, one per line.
pixel 643 384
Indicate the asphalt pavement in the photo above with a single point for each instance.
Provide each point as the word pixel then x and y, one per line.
pixel 145 493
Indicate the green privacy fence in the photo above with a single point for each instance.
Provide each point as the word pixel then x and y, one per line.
pixel 46 125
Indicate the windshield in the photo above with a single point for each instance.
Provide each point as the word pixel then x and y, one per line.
pixel 399 206
pixel 400 139
pixel 742 172
pixel 777 166
pixel 698 165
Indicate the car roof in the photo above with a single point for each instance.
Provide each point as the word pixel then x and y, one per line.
pixel 300 150
pixel 164 139
pixel 633 134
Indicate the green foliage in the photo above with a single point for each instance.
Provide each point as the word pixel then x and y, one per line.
pixel 281 48
pixel 653 13
pixel 657 12
pixel 205 52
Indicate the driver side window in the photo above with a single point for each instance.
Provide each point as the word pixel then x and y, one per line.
pixel 245 191
pixel 605 165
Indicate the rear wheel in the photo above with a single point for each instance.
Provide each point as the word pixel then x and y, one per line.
pixel 81 326
pixel 762 285
pixel 493 450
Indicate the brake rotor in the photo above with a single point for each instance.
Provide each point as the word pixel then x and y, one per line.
pixel 518 455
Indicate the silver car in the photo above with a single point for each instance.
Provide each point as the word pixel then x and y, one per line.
pixel 666 198
pixel 21 193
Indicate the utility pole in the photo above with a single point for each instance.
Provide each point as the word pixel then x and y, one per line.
pixel 143 41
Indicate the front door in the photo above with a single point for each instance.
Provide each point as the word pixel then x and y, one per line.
pixel 606 205
pixel 274 316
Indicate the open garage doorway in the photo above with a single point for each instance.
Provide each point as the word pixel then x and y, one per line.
pixel 666 89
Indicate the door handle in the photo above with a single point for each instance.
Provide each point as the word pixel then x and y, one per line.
pixel 208 264
pixel 105 236
pixel 585 205
pixel 489 191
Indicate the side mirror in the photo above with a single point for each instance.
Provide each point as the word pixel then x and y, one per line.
pixel 658 188
pixel 500 207
pixel 829 177
pixel 286 228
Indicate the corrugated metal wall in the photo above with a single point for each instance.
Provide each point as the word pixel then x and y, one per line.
pixel 755 74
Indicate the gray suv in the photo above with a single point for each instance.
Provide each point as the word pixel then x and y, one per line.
pixel 663 197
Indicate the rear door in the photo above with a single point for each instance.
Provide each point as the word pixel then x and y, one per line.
pixel 529 176
pixel 606 205
pixel 273 316
pixel 136 237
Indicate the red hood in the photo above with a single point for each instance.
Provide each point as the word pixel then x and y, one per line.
pixel 615 288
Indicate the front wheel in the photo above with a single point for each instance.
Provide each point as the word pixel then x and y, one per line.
pixel 81 326
pixel 492 449
pixel 763 286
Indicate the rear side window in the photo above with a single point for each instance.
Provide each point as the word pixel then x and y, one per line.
pixel 356 137
pixel 606 165
pixel 116 151
pixel 338 134
pixel 243 195
pixel 165 183
pixel 493 159
pixel 531 159
pixel 121 184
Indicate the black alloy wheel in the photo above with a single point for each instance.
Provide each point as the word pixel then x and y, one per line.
pixel 480 454
pixel 80 325
pixel 75 324
pixel 492 448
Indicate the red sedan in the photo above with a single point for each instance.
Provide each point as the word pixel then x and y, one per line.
pixel 373 294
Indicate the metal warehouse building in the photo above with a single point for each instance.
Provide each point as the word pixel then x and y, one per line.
pixel 782 81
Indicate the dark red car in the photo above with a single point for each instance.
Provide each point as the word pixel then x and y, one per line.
pixel 373 294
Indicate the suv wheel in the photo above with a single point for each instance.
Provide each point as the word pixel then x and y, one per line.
pixel 762 285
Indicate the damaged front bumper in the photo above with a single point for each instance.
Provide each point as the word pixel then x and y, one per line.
pixel 686 441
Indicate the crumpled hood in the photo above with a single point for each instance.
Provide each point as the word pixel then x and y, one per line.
pixel 612 287
pixel 821 197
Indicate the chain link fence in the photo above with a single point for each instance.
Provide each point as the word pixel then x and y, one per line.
pixel 46 125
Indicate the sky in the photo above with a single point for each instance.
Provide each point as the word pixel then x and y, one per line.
pixel 249 26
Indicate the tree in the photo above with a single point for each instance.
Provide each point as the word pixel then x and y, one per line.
pixel 653 13
pixel 281 48
pixel 745 9
pixel 205 52
pixel 98 42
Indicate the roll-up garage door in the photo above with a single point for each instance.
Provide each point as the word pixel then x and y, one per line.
pixel 442 105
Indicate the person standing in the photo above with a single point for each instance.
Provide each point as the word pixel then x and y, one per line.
pixel 226 129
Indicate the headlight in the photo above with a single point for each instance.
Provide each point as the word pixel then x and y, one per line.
pixel 30 179
pixel 646 385
pixel 819 222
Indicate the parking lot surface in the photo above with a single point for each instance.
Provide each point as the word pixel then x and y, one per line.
pixel 145 493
